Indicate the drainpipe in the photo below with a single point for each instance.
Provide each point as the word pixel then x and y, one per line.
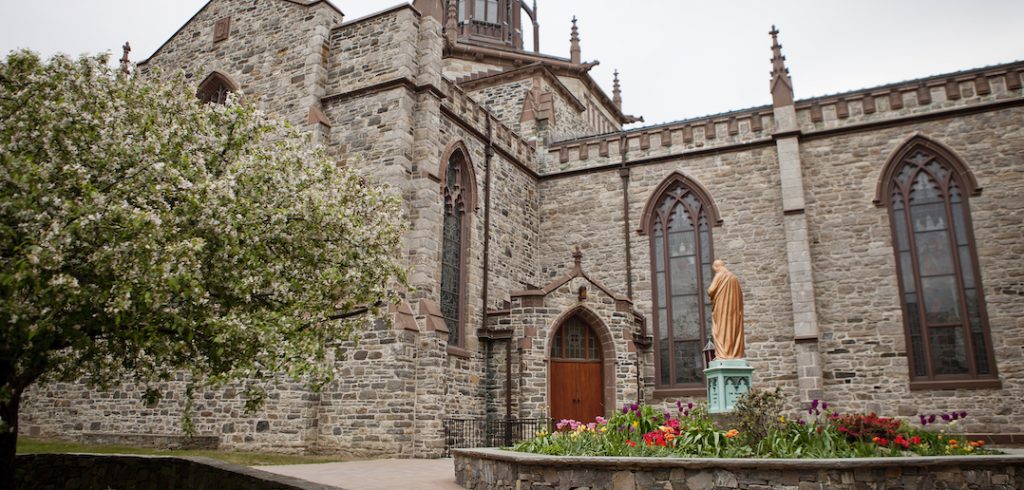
pixel 624 173
pixel 488 159
pixel 488 155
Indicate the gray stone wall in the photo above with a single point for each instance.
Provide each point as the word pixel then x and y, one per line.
pixel 506 101
pixel 372 50
pixel 863 346
pixel 273 52
pixel 72 411
pixel 569 121
pixel 587 210
pixel 456 68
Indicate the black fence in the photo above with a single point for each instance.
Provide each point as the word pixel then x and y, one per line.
pixel 490 431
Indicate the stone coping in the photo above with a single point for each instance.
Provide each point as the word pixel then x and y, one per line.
pixel 612 463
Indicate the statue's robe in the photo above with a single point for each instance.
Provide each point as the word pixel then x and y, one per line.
pixel 727 315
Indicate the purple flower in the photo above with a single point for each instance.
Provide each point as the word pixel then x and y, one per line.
pixel 931 419
pixel 679 405
pixel 954 415
pixel 963 415
pixel 634 407
pixel 946 417
pixel 625 408
pixel 814 404
pixel 667 415
pixel 601 420
pixel 689 406
pixel 686 413
pixel 824 405
pixel 924 419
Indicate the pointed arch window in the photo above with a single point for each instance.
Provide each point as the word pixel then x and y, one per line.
pixel 457 191
pixel 679 222
pixel 926 190
pixel 215 89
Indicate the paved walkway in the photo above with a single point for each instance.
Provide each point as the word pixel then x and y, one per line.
pixel 378 474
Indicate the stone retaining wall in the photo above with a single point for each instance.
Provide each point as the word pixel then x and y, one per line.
pixel 104 471
pixel 496 469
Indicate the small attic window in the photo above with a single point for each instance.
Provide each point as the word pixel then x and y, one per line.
pixel 215 89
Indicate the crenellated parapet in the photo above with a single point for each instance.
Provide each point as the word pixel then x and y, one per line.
pixel 709 133
pixel 850 111
pixel 932 95
pixel 462 106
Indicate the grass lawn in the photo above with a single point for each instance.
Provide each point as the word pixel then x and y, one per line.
pixel 34 446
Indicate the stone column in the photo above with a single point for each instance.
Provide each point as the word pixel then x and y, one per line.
pixel 798 249
pixel 424 206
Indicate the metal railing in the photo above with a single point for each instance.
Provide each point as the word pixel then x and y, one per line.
pixel 490 431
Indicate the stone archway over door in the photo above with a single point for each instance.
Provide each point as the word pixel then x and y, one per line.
pixel 576 372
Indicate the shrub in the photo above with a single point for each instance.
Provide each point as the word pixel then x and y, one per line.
pixel 758 412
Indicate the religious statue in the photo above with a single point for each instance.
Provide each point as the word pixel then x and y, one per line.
pixel 726 313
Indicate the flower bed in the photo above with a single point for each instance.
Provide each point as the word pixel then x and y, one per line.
pixel 759 431
pixel 755 447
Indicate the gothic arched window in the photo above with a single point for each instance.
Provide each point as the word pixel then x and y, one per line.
pixel 215 89
pixel 925 188
pixel 457 189
pixel 679 221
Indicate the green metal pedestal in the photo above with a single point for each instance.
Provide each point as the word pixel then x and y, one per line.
pixel 727 379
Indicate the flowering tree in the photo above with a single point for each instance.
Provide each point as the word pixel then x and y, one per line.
pixel 143 233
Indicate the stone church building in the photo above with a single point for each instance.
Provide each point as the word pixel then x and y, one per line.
pixel 559 262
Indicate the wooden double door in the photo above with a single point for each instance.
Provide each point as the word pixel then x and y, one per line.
pixel 576 373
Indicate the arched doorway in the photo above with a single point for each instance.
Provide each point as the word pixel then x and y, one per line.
pixel 576 372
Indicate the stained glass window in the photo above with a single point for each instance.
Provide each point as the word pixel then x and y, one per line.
pixel 942 304
pixel 681 258
pixel 452 248
pixel 575 340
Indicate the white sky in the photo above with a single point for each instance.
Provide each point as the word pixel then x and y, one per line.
pixel 677 59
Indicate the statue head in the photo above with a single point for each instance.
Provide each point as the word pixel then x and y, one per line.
pixel 718 265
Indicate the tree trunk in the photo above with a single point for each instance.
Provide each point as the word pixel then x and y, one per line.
pixel 9 439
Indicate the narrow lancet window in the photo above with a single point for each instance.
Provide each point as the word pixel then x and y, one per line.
pixel 681 256
pixel 943 308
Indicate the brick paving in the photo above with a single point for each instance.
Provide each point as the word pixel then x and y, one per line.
pixel 377 474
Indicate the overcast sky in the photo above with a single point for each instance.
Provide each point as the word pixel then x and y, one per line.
pixel 678 59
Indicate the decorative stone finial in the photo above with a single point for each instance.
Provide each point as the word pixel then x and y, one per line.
pixel 781 84
pixel 574 40
pixel 536 29
pixel 616 91
pixel 127 48
pixel 577 257
pixel 451 25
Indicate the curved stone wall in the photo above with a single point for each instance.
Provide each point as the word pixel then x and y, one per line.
pixel 485 469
